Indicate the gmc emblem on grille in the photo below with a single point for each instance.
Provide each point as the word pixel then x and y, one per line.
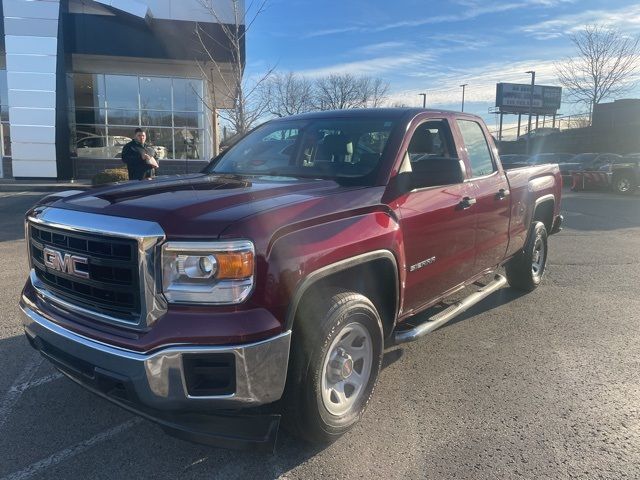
pixel 65 263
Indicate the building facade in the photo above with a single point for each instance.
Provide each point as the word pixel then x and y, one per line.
pixel 78 76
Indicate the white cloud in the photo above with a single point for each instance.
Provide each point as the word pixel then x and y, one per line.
pixel 469 13
pixel 378 47
pixel 625 19
pixel 470 9
pixel 371 66
pixel 331 31
pixel 481 82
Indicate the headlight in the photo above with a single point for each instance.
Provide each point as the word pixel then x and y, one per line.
pixel 208 272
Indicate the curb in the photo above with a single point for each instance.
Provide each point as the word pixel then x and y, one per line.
pixel 42 187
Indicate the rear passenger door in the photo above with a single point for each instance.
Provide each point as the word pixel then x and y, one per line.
pixel 491 194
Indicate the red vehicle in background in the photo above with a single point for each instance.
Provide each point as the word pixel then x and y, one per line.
pixel 270 283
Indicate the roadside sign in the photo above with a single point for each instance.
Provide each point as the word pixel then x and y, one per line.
pixel 516 98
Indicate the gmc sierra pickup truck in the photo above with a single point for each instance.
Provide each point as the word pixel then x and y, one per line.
pixel 268 285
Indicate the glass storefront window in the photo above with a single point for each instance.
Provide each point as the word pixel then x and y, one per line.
pixel 187 95
pixel 155 118
pixel 188 119
pixel 89 90
pixel 162 141
pixel 123 117
pixel 155 93
pixel 122 91
pixel 92 142
pixel 170 109
pixel 189 143
pixel 93 116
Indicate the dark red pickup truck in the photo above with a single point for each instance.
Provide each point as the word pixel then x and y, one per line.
pixel 270 283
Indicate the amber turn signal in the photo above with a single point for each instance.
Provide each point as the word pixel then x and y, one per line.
pixel 234 265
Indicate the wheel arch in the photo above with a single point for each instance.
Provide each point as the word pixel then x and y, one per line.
pixel 625 171
pixel 543 211
pixel 369 274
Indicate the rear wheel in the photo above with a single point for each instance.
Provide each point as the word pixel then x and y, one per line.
pixel 623 184
pixel 336 358
pixel 525 270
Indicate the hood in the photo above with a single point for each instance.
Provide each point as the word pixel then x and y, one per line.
pixel 198 205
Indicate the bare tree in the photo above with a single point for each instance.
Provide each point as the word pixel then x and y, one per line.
pixel 605 66
pixel 288 94
pixel 343 91
pixel 242 106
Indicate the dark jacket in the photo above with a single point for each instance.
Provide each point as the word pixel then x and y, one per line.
pixel 132 157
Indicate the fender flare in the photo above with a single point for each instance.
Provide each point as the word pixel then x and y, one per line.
pixel 341 265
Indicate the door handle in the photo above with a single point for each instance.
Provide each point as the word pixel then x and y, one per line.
pixel 467 202
pixel 502 194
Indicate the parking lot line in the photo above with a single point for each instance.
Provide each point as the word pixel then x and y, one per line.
pixel 70 452
pixel 40 381
pixel 14 393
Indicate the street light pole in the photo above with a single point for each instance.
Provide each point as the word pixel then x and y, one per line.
pixel 533 84
pixel 463 87
pixel 424 99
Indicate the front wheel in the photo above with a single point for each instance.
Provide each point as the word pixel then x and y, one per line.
pixel 336 358
pixel 525 270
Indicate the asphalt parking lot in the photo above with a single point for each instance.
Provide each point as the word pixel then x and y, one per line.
pixel 545 385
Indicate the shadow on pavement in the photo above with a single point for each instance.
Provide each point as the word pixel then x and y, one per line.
pixel 12 210
pixel 600 211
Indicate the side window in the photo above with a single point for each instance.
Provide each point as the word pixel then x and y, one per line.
pixel 431 139
pixel 477 148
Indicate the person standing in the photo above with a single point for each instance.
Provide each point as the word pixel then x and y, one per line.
pixel 140 157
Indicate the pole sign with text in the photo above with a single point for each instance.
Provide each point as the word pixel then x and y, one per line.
pixel 516 98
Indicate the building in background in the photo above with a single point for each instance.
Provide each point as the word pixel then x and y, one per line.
pixel 623 114
pixel 78 76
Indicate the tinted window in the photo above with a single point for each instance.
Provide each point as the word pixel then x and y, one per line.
pixel 477 148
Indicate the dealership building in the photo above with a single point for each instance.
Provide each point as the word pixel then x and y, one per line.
pixel 78 76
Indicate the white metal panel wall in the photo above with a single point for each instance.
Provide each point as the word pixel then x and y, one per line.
pixel 31 40
pixel 191 10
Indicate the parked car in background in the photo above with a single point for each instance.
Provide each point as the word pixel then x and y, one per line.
pixel 514 160
pixel 161 151
pixel 586 161
pixel 625 173
pixel 99 146
pixel 542 158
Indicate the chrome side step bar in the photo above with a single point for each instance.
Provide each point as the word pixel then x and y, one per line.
pixel 449 313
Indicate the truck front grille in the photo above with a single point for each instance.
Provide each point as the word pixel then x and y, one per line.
pixel 113 285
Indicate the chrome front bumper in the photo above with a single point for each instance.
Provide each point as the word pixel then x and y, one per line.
pixel 158 378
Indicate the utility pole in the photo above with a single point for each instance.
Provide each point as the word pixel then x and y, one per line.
pixel 463 87
pixel 533 84
pixel 424 99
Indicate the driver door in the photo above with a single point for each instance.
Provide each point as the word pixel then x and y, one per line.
pixel 438 226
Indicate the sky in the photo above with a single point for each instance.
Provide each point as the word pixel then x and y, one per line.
pixel 431 46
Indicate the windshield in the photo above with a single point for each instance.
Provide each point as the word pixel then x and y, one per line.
pixel 322 148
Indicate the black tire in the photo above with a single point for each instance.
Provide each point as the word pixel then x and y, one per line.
pixel 320 323
pixel 623 183
pixel 526 269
